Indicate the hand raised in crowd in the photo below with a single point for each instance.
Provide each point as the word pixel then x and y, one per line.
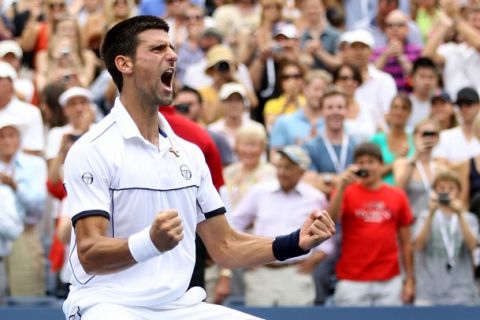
pixel 456 205
pixel 450 7
pixel 395 48
pixel 348 176
pixel 166 231
pixel 317 228
pixel 313 46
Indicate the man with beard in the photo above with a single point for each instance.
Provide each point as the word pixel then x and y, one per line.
pixel 137 193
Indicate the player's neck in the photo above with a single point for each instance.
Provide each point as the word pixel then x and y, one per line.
pixel 145 117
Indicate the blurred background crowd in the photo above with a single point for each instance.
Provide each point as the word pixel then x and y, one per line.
pixel 367 108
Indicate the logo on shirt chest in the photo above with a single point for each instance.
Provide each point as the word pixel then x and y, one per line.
pixel 87 178
pixel 375 212
pixel 185 171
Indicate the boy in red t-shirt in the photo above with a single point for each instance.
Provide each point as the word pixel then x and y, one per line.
pixel 375 220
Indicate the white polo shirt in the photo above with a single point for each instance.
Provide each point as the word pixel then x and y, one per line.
pixel 112 171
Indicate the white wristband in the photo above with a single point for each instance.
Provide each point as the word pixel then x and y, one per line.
pixel 141 246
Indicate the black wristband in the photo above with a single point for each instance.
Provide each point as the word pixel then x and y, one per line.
pixel 286 247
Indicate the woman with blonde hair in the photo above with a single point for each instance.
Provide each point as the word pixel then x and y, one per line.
pixel 99 22
pixel 65 58
pixel 415 174
pixel 250 146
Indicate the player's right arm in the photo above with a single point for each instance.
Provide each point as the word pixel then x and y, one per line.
pixel 88 175
pixel 100 254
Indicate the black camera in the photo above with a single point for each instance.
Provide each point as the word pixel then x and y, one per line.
pixel 222 66
pixel 443 198
pixel 182 107
pixel 362 173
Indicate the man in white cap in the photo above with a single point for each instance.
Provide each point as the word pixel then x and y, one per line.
pixel 11 52
pixel 278 206
pixel 25 175
pixel 76 103
pixel 28 115
pixel 233 100
pixel 378 88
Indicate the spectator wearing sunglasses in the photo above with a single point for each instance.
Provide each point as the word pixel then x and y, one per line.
pixel 397 56
pixel 459 143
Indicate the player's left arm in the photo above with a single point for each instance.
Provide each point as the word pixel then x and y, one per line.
pixel 233 249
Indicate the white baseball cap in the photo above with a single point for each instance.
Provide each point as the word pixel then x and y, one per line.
pixel 7 71
pixel 10 46
pixel 9 121
pixel 74 92
pixel 297 155
pixel 230 88
pixel 361 36
pixel 287 30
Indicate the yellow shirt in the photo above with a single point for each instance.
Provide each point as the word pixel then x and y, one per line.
pixel 212 109
pixel 276 106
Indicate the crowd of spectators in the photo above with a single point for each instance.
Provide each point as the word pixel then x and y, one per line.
pixel 367 108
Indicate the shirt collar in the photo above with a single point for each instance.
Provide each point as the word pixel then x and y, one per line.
pixel 127 126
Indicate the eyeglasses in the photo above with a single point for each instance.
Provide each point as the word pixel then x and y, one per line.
pixel 345 78
pixel 56 5
pixel 428 133
pixel 292 76
pixel 195 18
pixel 396 24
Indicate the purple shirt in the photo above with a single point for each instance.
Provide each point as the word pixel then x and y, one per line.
pixel 393 67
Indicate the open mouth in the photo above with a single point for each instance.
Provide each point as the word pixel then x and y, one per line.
pixel 167 78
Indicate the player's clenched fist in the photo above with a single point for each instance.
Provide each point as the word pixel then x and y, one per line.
pixel 166 230
pixel 317 228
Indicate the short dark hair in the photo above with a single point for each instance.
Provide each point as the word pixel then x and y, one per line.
pixel 122 39
pixel 191 90
pixel 357 76
pixel 424 63
pixel 368 149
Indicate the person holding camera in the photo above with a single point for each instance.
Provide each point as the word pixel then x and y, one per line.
pixel 375 219
pixel 445 237
pixel 415 174
pixel 76 104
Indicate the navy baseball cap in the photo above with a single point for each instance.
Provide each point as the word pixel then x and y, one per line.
pixel 440 95
pixel 467 95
